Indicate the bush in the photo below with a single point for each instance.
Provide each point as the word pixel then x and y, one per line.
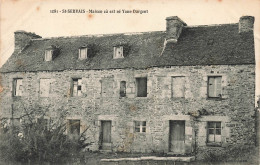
pixel 32 142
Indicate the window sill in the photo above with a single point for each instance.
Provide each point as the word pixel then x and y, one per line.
pixel 214 144
pixel 215 98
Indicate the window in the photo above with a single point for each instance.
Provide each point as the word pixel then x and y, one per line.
pixel 73 127
pixel 214 86
pixel 140 126
pixel 76 87
pixel 83 52
pixel 122 89
pixel 141 84
pixel 18 87
pixel 45 87
pixel 118 52
pixel 214 132
pixel 178 87
pixel 48 55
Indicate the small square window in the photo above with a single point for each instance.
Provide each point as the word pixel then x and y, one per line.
pixel 214 87
pixel 83 53
pixel 18 87
pixel 73 127
pixel 76 87
pixel 214 132
pixel 48 55
pixel 118 52
pixel 140 126
pixel 141 85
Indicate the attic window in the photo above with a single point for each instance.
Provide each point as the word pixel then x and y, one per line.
pixel 83 53
pixel 118 52
pixel 48 55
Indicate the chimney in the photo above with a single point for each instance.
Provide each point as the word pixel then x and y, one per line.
pixel 174 27
pixel 246 24
pixel 23 39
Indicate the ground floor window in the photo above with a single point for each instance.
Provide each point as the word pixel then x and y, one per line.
pixel 214 132
pixel 140 126
pixel 73 127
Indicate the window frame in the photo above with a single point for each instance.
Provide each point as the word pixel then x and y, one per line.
pixel 215 83
pixel 214 143
pixel 115 56
pixel 50 53
pixel 137 87
pixel 80 57
pixel 122 89
pixel 142 126
pixel 15 87
pixel 72 87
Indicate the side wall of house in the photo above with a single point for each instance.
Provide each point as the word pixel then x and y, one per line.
pixel 235 108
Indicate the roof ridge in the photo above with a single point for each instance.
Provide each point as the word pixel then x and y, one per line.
pixel 97 35
pixel 210 25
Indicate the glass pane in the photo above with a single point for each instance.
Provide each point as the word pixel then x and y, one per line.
pixel 211 138
pixel 137 129
pixel 218 131
pixel 144 129
pixel 211 131
pixel 217 138
pixel 211 125
pixel 218 124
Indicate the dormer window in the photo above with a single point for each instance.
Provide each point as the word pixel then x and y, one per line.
pixel 48 55
pixel 118 52
pixel 83 53
pixel 51 52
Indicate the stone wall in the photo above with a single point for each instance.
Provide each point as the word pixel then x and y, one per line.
pixel 235 109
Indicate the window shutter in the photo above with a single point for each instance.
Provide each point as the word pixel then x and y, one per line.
pixel 211 87
pixel 218 86
pixel 178 86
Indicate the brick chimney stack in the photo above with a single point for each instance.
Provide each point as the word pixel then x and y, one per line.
pixel 23 39
pixel 174 27
pixel 246 24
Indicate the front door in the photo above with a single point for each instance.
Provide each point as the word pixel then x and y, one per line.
pixel 177 137
pixel 106 135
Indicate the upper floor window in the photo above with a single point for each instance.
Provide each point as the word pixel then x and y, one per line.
pixel 214 132
pixel 214 86
pixel 141 85
pixel 122 89
pixel 178 87
pixel 83 53
pixel 45 87
pixel 48 54
pixel 140 126
pixel 18 87
pixel 118 52
pixel 76 87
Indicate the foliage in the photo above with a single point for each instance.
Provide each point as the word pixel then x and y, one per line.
pixel 33 142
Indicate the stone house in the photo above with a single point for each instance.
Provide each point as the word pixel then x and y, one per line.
pixel 186 90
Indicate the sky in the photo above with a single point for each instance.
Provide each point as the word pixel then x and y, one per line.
pixel 35 16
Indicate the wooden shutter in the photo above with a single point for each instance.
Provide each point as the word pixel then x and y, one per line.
pixel 218 86
pixel 45 87
pixel 19 87
pixel 178 86
pixel 211 87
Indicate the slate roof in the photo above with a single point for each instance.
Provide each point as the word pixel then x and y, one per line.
pixel 200 45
